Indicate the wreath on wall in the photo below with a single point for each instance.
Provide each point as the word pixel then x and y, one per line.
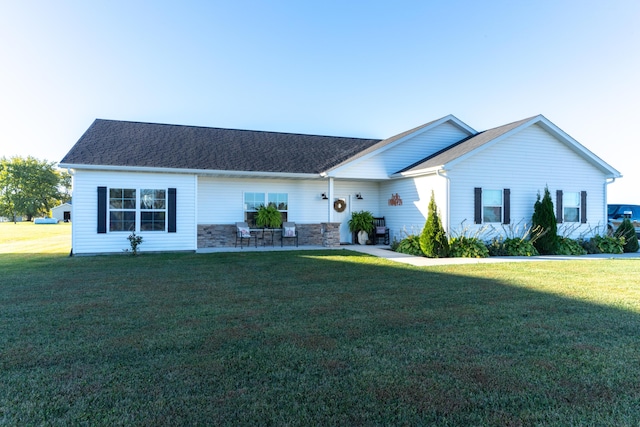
pixel 339 205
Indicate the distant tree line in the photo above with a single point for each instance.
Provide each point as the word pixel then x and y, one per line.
pixel 30 187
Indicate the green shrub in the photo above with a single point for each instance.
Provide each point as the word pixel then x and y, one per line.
pixel 567 246
pixel 496 247
pixel 545 219
pixel 134 242
pixel 604 245
pixel 410 245
pixel 467 247
pixel 466 242
pixel 628 233
pixel 590 246
pixel 395 243
pixel 520 247
pixel 433 240
pixel 511 246
pixel 518 241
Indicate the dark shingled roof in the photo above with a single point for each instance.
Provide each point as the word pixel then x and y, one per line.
pixel 463 147
pixel 135 144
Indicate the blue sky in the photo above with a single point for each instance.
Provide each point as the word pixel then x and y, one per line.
pixel 349 68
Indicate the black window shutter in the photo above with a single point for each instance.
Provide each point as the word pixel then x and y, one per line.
pixel 559 211
pixel 171 211
pixel 583 207
pixel 102 209
pixel 477 205
pixel 507 206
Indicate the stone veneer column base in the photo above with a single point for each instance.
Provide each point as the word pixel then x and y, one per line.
pixel 331 234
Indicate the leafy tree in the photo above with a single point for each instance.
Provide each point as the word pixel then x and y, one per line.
pixel 433 240
pixel 31 187
pixel 627 232
pixel 545 218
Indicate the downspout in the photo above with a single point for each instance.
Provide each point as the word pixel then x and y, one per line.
pixel 448 200
pixel 196 183
pixel 73 208
pixel 606 196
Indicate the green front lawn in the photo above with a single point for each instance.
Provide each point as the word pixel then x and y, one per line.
pixel 316 338
pixel 29 238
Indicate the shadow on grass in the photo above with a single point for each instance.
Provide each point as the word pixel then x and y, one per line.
pixel 326 337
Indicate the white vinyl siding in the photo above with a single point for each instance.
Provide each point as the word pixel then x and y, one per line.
pixel 382 165
pixel 86 240
pixel 415 193
pixel 517 163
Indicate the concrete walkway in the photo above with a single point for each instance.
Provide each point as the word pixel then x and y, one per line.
pixel 385 252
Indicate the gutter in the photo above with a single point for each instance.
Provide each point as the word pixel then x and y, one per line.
pixel 192 171
pixel 420 172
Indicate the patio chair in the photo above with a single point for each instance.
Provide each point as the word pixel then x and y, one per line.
pixel 243 232
pixel 289 231
pixel 380 231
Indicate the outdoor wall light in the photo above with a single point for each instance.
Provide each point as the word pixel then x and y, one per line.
pixel 324 196
pixel 359 196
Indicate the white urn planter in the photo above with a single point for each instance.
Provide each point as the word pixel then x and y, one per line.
pixel 362 237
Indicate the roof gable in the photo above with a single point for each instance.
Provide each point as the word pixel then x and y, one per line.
pixel 124 144
pixel 450 156
pixel 389 143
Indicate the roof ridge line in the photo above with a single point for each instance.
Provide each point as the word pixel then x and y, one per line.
pixel 237 129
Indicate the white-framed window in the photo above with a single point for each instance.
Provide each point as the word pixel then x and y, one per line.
pixel 571 206
pixel 492 206
pixel 137 210
pixel 153 210
pixel 253 201
pixel 279 200
pixel 122 209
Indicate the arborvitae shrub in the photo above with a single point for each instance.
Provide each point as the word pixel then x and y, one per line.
pixel 433 240
pixel 627 232
pixel 545 218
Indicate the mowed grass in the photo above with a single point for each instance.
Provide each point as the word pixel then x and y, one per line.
pixel 316 338
pixel 27 238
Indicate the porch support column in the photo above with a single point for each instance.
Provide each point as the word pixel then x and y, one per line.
pixel 330 202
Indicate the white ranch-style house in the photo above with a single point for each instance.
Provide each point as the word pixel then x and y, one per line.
pixel 184 188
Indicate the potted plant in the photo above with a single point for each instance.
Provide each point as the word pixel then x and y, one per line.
pixel 268 217
pixel 361 223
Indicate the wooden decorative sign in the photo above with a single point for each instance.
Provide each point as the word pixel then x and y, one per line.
pixel 395 200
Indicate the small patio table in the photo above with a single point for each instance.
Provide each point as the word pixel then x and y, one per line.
pixel 273 232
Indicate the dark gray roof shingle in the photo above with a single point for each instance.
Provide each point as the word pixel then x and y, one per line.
pixel 135 144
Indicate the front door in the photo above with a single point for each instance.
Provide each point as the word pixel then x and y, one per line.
pixel 343 217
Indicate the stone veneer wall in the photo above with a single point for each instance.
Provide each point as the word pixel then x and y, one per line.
pixel 224 235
